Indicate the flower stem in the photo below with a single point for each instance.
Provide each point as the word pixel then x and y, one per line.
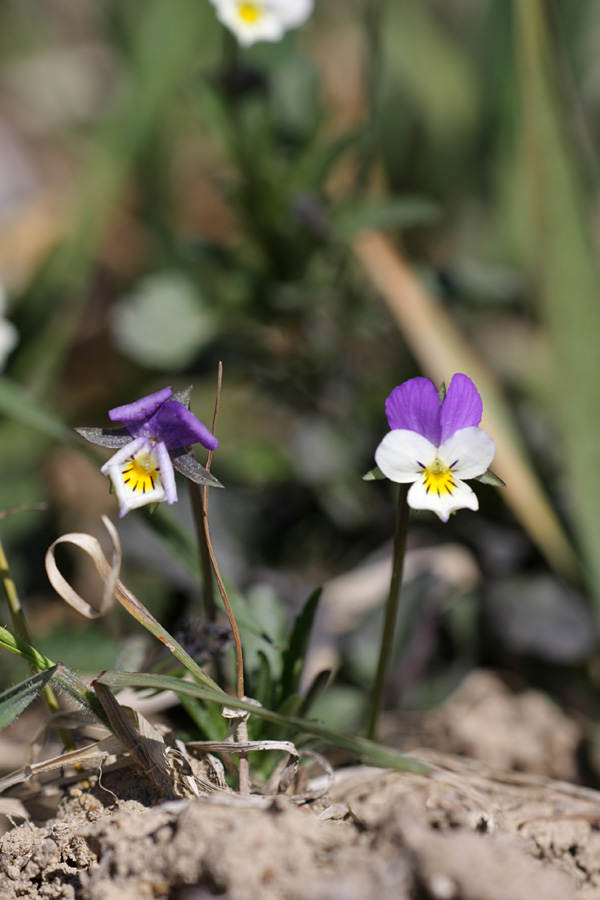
pixel 391 611
pixel 373 29
pixel 22 633
pixel 241 731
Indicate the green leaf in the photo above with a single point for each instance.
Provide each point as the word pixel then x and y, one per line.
pixel 213 727
pixel 17 698
pixel 404 212
pixel 564 264
pixel 295 654
pixel 263 688
pixel 367 751
pixel 71 683
pixel 318 685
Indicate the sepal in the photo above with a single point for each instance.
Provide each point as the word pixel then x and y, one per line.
pixel 185 463
pixel 490 477
pixel 374 475
pixel 184 397
pixel 113 438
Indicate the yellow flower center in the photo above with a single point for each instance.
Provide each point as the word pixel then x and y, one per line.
pixel 141 473
pixel 438 479
pixel 249 12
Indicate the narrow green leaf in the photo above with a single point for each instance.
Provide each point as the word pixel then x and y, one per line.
pixel 318 685
pixel 74 686
pixel 403 212
pixel 361 748
pixel 564 265
pixel 213 727
pixel 17 698
pixel 263 688
pixel 295 654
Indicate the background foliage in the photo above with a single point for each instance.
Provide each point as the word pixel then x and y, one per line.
pixel 168 201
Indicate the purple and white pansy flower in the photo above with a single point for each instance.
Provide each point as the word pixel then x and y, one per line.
pixel 157 432
pixel 436 444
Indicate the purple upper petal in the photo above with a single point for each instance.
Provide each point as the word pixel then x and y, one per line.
pixel 135 416
pixel 415 406
pixel 462 407
pixel 178 427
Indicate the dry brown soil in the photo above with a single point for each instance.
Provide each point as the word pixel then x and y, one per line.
pixel 470 830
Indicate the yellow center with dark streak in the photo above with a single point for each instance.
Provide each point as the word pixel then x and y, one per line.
pixel 140 473
pixel 249 12
pixel 438 479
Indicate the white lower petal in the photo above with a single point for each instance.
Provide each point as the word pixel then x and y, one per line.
pixel 402 455
pixel 292 12
pixel 264 25
pixel 136 472
pixel 443 504
pixel 469 452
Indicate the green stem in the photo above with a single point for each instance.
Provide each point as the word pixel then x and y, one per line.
pixel 391 611
pixel 67 680
pixel 373 28
pixel 22 632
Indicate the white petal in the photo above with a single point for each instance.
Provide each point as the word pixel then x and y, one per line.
pixel 124 453
pixel 402 455
pixel 462 497
pixel 128 494
pixel 9 338
pixel 292 12
pixel 469 452
pixel 167 474
pixel 273 18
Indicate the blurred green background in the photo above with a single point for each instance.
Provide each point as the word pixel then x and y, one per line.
pixel 169 200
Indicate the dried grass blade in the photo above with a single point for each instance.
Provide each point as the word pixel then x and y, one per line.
pixel 145 745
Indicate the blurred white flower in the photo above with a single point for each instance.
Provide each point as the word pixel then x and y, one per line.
pixel 261 20
pixel 9 337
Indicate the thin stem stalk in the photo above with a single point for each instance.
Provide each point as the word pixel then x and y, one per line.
pixel 391 612
pixel 22 632
pixel 241 731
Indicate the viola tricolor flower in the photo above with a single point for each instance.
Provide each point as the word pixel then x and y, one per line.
pixel 156 434
pixel 436 444
pixel 261 20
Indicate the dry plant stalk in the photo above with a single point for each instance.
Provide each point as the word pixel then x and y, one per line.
pixel 147 751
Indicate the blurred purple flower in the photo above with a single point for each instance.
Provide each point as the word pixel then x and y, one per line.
pixel 436 444
pixel 162 428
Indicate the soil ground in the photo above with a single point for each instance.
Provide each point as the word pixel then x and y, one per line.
pixel 472 829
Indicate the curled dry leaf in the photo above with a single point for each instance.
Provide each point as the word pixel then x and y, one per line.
pixel 114 589
pixel 285 774
pixel 108 573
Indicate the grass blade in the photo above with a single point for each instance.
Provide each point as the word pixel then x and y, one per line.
pixel 367 751
pixel 565 268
